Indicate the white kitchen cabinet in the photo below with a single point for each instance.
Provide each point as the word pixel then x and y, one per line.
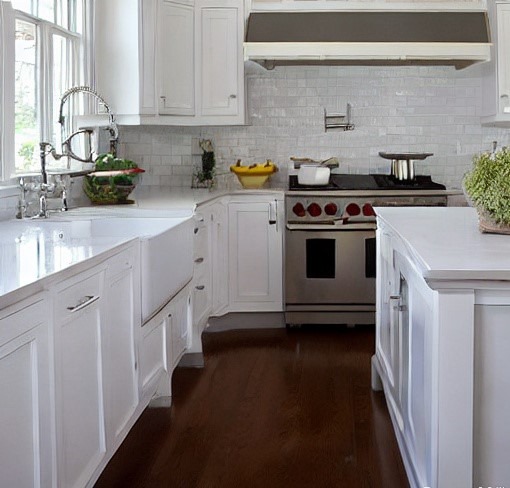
pixel 446 385
pixel 79 407
pixel 200 67
pixel 179 324
pixel 125 57
pixel 155 351
pixel 176 60
pixel 202 274
pixel 404 356
pixel 255 250
pixel 496 80
pixel 163 62
pixel 26 418
pixel 119 334
pixel 165 338
pixel 219 257
pixel 221 78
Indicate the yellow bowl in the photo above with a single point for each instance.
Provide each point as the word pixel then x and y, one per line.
pixel 253 181
pixel 253 176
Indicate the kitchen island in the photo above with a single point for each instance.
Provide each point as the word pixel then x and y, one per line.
pixel 443 323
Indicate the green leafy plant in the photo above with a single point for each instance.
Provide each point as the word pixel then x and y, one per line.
pixel 488 185
pixel 110 189
pixel 208 160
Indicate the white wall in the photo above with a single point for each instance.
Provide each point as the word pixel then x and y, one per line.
pixel 423 109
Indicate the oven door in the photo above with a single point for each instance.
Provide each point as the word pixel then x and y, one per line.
pixel 330 266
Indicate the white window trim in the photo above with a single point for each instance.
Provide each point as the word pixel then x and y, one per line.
pixel 83 75
pixel 7 92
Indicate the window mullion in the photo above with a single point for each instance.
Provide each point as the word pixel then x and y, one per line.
pixel 45 91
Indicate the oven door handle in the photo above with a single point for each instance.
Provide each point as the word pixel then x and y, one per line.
pixel 333 228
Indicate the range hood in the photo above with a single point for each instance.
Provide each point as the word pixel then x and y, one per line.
pixel 457 38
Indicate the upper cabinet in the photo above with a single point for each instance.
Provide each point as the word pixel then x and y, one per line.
pixel 176 59
pixel 184 66
pixel 496 81
pixel 124 57
pixel 200 67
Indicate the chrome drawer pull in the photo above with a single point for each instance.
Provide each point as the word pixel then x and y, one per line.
pixel 84 302
pixel 200 287
pixel 199 260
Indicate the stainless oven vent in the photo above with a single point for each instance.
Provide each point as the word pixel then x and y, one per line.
pixel 458 38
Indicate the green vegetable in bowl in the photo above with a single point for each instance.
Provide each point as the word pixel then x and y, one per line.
pixel 114 188
pixel 108 162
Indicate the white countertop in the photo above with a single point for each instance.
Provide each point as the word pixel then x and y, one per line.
pixel 32 251
pixel 447 244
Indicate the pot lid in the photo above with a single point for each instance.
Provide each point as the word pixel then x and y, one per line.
pixel 407 155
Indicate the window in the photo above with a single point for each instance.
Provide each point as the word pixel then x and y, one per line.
pixel 49 59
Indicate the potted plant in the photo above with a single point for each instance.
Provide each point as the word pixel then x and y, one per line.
pixel 487 187
pixel 204 177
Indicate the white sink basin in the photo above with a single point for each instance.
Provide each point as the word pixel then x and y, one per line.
pixel 166 247
pixel 166 250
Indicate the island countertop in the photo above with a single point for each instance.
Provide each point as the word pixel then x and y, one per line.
pixel 446 243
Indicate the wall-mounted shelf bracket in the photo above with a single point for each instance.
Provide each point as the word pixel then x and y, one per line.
pixel 338 121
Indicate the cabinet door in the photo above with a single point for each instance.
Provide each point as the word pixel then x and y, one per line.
pixel 503 64
pixel 255 257
pixel 222 69
pixel 154 350
pixel 414 399
pixel 219 258
pixel 180 324
pixel 176 59
pixel 148 46
pixel 79 388
pixel 26 447
pixel 387 315
pixel 121 385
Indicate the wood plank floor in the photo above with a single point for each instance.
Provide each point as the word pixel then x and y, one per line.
pixel 271 408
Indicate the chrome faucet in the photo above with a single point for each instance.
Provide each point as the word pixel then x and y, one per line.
pixel 46 148
pixel 66 144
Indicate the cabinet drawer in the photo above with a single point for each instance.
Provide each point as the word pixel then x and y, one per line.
pixel 78 296
pixel 22 317
pixel 122 261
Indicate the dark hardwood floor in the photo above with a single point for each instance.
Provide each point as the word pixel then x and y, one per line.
pixel 271 408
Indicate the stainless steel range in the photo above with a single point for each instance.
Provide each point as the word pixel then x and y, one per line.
pixel 330 244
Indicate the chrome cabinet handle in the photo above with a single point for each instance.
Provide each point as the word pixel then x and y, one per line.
pixel 84 302
pixel 233 96
pixel 200 287
pixel 199 260
pixel 273 210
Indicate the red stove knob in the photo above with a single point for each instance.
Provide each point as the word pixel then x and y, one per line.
pixel 331 209
pixel 353 209
pixel 299 210
pixel 314 209
pixel 368 210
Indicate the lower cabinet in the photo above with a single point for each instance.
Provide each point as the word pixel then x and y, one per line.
pixel 119 335
pixel 81 442
pixel 255 247
pixel 164 340
pixel 26 419
pixel 154 350
pixel 404 338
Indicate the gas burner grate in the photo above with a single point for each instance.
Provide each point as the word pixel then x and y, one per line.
pixel 367 182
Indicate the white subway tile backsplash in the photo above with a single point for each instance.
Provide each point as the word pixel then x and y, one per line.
pixel 426 108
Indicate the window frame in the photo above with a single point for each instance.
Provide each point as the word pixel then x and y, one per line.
pixel 81 46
